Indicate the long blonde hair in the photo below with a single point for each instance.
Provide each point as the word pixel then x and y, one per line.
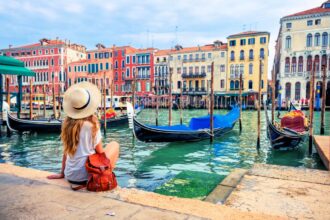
pixel 70 132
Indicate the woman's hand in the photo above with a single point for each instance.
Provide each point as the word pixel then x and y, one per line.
pixel 56 176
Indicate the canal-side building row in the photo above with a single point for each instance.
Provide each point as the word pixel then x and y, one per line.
pixel 49 59
pixel 303 39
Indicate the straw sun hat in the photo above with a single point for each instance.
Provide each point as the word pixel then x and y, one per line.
pixel 81 100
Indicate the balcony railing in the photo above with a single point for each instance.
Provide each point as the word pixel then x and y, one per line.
pixel 196 90
pixel 194 60
pixel 194 75
pixel 143 76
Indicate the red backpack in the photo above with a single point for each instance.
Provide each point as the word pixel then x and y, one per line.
pixel 100 175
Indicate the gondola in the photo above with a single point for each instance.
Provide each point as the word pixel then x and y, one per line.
pixel 198 129
pixel 38 125
pixel 118 121
pixel 283 138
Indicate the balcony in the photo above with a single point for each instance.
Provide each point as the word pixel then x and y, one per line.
pixel 143 76
pixel 194 75
pixel 194 91
pixel 38 67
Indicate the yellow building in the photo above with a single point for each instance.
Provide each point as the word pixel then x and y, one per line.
pixel 245 51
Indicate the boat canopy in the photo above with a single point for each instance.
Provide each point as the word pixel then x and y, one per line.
pixel 11 66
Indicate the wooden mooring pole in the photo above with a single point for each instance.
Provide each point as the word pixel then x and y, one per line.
pixel 212 104
pixel 44 91
pixel 170 99
pixel 181 102
pixel 273 94
pixel 157 98
pixel 259 104
pixel 133 89
pixel 104 105
pixel 31 107
pixel 54 98
pixel 8 92
pixel 311 109
pixel 324 78
pixel 240 101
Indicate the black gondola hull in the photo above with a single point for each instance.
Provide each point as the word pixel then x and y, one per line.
pixel 41 126
pixel 148 134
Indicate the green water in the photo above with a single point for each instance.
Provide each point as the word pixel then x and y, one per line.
pixel 149 166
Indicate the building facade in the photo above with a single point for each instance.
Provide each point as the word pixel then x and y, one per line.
pixel 192 70
pixel 49 59
pixel 303 40
pixel 247 55
pixel 161 65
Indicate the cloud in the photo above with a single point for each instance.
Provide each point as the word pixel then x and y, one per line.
pixel 142 23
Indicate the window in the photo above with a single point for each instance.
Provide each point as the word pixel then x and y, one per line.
pixel 250 68
pixel 222 54
pixel 317 21
pixel 263 40
pixel 232 43
pixel 251 41
pixel 288 25
pixel 243 42
pixel 317 39
pixel 297 91
pixel 203 69
pixel 89 56
pixel 178 70
pixel 106 66
pixel 209 67
pixel 123 63
pixel 232 55
pixel 309 63
pixel 209 55
pixel 95 55
pixel 288 91
pixel 222 68
pixel 241 69
pixel 241 55
pixel 294 65
pixel 310 23
pixel 287 65
pixel 222 83
pixel 232 70
pixel 250 84
pixel 251 55
pixel 179 84
pixel 232 85
pixel 106 55
pixel 133 59
pixel 309 40
pixel 262 53
pixel 325 39
pixel 101 55
pixel 288 42
pixel 190 57
pixel 184 70
pixel 101 66
pixel 317 63
pixel 300 64
pixel 179 57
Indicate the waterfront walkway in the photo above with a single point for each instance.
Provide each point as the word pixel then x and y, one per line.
pixel 322 145
pixel 27 194
pixel 297 193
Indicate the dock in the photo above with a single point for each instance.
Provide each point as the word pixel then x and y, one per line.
pixel 322 145
pixel 294 193
pixel 27 194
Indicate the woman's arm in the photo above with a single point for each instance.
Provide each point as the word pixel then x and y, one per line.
pixel 60 175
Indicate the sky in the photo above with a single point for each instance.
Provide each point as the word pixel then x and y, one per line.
pixel 147 23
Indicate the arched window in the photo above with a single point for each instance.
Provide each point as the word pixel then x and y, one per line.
pixel 262 53
pixel 251 54
pixel 300 64
pixel 294 65
pixel 288 90
pixel 250 84
pixel 287 65
pixel 236 84
pixel 309 40
pixel 232 69
pixel 241 71
pixel 324 60
pixel 309 63
pixel 288 42
pixel 317 63
pixel 297 91
pixel 318 88
pixel 317 39
pixel 250 68
pixel 308 87
pixel 232 85
pixel 237 70
pixel 241 55
pixel 232 55
pixel 325 39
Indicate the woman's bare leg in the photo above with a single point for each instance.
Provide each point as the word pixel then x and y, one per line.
pixel 112 152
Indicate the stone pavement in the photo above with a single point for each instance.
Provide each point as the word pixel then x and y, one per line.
pixel 297 193
pixel 27 194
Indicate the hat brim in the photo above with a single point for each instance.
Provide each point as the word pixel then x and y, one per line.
pixel 90 109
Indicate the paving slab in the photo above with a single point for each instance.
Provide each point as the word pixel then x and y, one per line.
pixel 283 191
pixel 322 144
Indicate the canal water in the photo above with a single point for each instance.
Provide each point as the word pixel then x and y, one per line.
pixel 179 169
